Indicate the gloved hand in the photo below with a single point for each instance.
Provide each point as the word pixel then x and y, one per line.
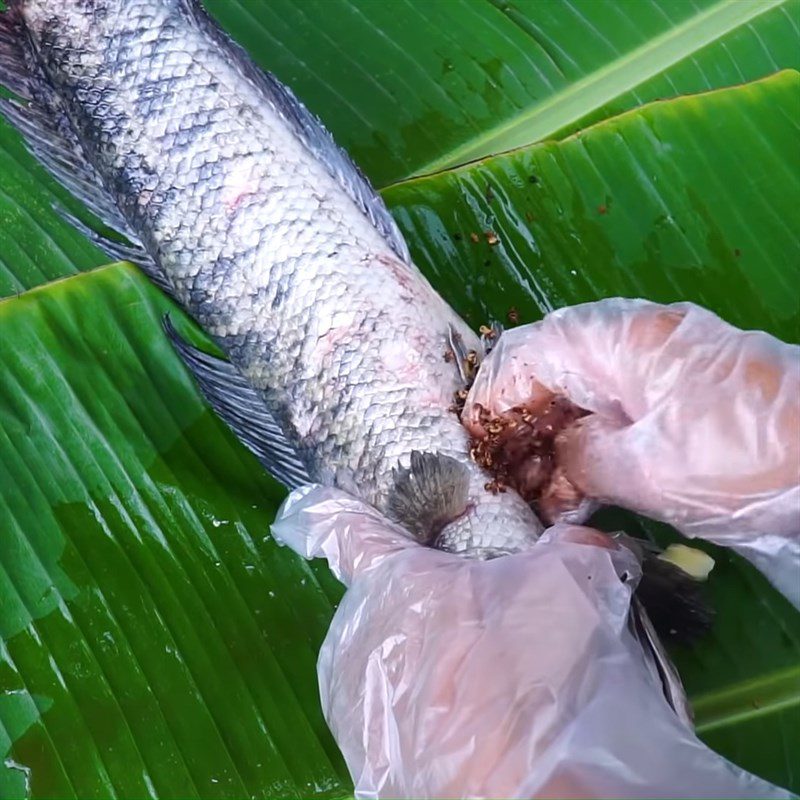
pixel 442 676
pixel 696 423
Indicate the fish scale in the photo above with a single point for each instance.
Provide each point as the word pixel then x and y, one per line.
pixel 241 206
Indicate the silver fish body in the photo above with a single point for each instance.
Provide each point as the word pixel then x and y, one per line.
pixel 241 206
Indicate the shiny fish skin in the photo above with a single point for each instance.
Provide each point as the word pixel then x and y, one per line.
pixel 259 242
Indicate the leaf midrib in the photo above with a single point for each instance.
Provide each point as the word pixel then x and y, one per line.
pixel 55 283
pixel 593 91
pixel 456 169
pixel 747 700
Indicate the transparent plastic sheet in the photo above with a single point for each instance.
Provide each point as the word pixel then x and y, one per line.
pixel 696 423
pixel 517 677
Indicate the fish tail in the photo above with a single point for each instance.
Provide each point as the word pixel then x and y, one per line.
pixel 669 604
pixel 675 601
pixel 42 118
pixel 658 659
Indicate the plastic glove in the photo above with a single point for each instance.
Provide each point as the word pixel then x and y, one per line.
pixel 447 677
pixel 696 423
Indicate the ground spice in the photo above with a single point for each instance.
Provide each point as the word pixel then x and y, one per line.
pixel 518 451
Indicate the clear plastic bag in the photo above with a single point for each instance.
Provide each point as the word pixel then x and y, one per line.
pixel 695 422
pixel 516 677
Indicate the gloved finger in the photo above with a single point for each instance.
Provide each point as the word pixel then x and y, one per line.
pixel 320 521
pixel 597 355
pixel 719 446
pixel 507 377
pixel 538 380
pixel 724 490
pixel 699 417
pixel 596 452
pixel 577 534
pixel 559 536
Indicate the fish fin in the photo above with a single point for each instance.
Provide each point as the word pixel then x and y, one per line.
pixel 314 135
pixel 121 251
pixel 243 409
pixel 660 662
pixel 319 141
pixel 676 602
pixel 429 494
pixel 455 342
pixel 13 66
pixel 49 135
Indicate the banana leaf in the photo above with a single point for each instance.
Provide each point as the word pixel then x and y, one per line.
pixel 455 80
pixel 154 640
pixel 409 86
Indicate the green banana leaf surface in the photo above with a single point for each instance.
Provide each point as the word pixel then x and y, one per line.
pixel 406 85
pixel 154 641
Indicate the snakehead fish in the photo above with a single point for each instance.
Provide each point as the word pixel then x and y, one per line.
pixel 237 202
